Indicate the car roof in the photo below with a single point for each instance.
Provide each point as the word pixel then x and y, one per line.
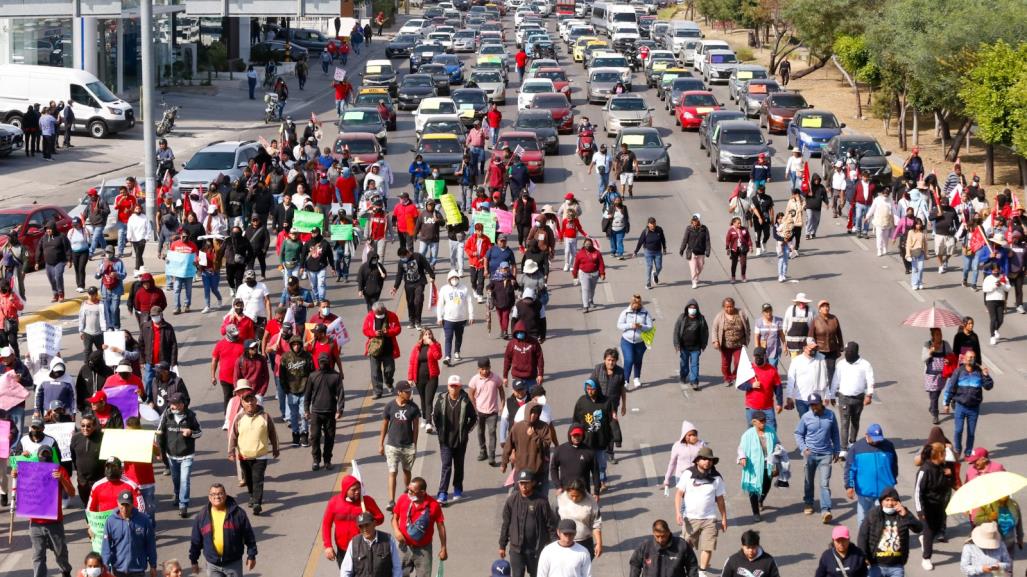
pixel 466 91
pixel 815 112
pixel 752 67
pixel 855 138
pixel 436 100
pixel 721 51
pixel 227 146
pixel 417 75
pixel 551 69
pixel 372 90
pixel 738 125
pixel 28 208
pixel 639 130
pixel 355 136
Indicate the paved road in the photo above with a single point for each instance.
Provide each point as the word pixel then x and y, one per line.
pixel 869 296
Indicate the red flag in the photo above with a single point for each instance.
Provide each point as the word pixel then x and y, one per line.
pixel 805 177
pixel 313 119
pixel 734 193
pixel 977 240
pixel 956 197
pixel 1016 202
pixel 434 295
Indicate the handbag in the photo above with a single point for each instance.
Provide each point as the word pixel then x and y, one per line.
pixel 618 438
pixel 375 346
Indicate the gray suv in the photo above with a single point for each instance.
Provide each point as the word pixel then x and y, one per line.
pixel 225 158
pixel 734 146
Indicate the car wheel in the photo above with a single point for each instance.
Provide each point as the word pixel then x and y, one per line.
pixel 682 127
pixel 15 120
pixel 712 168
pixel 98 129
pixel 720 177
pixel 664 176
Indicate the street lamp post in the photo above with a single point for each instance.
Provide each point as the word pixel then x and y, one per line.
pixel 149 146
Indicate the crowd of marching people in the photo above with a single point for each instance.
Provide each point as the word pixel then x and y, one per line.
pixel 301 225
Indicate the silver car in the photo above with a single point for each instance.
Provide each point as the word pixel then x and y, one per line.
pixel 753 93
pixel 601 82
pixel 491 81
pixel 625 111
pixel 719 65
pixel 742 74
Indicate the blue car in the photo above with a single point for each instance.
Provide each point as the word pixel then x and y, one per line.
pixel 811 129
pixel 454 67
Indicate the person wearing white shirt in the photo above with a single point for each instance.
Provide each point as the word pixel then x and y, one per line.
pixel 368 547
pixel 995 288
pixel 374 175
pixel 454 310
pixel 882 215
pixel 564 557
pixel 807 375
pixel 698 502
pixel 838 185
pixel 255 298
pixel 853 388
pixel 138 230
pixel 387 175
pixel 793 168
pixel 601 165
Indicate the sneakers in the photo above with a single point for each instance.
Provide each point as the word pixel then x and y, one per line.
pixel 566 267
pixel 656 279
pixel 442 497
pixel 80 289
pixel 482 456
pixel 205 310
pixel 695 284
pixel 841 454
pixel 457 494
pixel 445 361
pixel 927 564
pixel 757 518
pixel 994 339
pixel 257 510
pixel 941 269
pixel 316 466
pixel 429 429
pixel 295 439
pixel 781 279
pixel 1019 309
pixel 391 506
pixel 807 510
pixel 635 383
pixel 456 356
pixel 328 465
pixel 183 513
pixel 826 517
pixel 304 440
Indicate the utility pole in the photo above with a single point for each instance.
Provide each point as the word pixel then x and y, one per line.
pixel 149 146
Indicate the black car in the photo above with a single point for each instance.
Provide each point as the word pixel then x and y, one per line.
pixel 735 146
pixel 414 88
pixel 422 54
pixel 275 50
pixel 401 45
pixel 649 149
pixel 542 124
pixel 314 41
pixel 868 152
pixel 710 121
pixel 442 153
pixel 463 5
pixel 438 75
pixel 380 74
pixel 470 99
pixel 361 119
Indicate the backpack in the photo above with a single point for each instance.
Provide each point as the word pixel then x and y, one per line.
pixel 110 278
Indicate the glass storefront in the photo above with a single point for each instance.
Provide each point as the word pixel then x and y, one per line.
pixel 41 41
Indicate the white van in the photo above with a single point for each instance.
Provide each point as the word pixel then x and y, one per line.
pixel 97 110
pixel 606 14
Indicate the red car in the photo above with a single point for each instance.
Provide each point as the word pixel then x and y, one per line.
pixel 28 221
pixel 362 145
pixel 559 105
pixel 559 78
pixel 692 106
pixel 533 155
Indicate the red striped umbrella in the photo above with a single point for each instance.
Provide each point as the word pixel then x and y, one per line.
pixel 933 317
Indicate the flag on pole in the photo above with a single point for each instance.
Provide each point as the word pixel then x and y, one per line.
pixel 978 240
pixel 356 474
pixel 745 372
pixel 805 177
pixel 957 196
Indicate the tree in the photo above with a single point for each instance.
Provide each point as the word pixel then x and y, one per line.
pixel 818 23
pixel 853 56
pixel 986 94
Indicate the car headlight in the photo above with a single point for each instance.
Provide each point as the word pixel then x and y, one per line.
pixel 726 157
pixel 776 117
pixel 115 111
pixel 689 115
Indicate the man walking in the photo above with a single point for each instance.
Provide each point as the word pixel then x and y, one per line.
pixel 487 394
pixel 884 535
pixel 454 417
pixel 68 123
pixel 414 272
pixel 416 518
pixel 397 441
pixel 381 326
pixel 691 336
pixel 871 467
pixel 222 531
pixel 323 402
pixel 529 524
pixel 654 243
pixel 807 376
pixel 177 433
pixel 371 553
pixel 699 499
pixel 818 440
pixel 695 246
pixel 853 388
pixel 159 344
pixel 665 555
pixel 129 542
pixel 48 128
pixel 253 442
pixel 564 557
pixel 825 328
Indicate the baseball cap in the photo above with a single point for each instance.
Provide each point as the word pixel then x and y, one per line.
pixel 125 498
pixel 976 454
pixel 815 399
pixel 767 307
pixel 175 398
pixel 875 432
pixel 99 396
pixel 163 366
pixel 454 381
pixel 567 526
pixel 365 518
pixel 525 476
pixel 250 274
pixel 37 422
pixel 520 385
pixel 6 352
pixel 123 368
pixel 577 430
pixel 156 310
pixel 840 532
pixel 501 568
pixel 56 404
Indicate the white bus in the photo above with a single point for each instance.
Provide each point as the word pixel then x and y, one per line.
pixel 605 14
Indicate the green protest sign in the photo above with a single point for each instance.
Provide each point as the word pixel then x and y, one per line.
pixel 306 221
pixel 435 188
pixel 343 232
pixel 488 223
pixel 97 525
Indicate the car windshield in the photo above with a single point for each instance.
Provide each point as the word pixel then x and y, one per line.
pixel 536 87
pixel 722 58
pixel 632 104
pixel 100 91
pixel 356 145
pixel 465 34
pixel 417 81
pixel 684 84
pixel 700 100
pixel 686 33
pixel 534 121
pixel 470 98
pixel 549 101
pixel 426 50
pixel 383 69
pixel 789 101
pixel 818 121
pixel 433 68
pixel 9 221
pixel 405 39
pixel 605 77
pixel 371 99
pixel 553 75
pixel 442 127
pixel 624 17
pixel 447 60
pixel 440 145
pixel 741 137
pixel 611 61
pixel 862 148
pixel 352 118
pixel 493 49
pixel 644 140
pixel 514 141
pixel 749 74
pixel 444 107
pixel 489 77
pixel 211 161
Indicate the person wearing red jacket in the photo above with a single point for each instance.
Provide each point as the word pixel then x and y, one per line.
pixel 346 185
pixel 343 89
pixel 522 61
pixel 523 358
pixel 495 174
pixel 339 524
pixel 405 216
pixel 570 228
pixel 322 194
pixel 124 204
pixel 494 118
pixel 148 296
pixel 475 248
pixel 382 324
pixel 589 268
pixel 104 494
pixel 247 329
pixel 423 370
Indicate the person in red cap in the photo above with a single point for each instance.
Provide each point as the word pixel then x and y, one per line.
pixel 107 415
pixel 981 464
pixel 95 218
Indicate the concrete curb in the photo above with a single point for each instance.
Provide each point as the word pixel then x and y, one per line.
pixel 70 307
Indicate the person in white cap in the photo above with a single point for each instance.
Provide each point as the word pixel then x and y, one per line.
pixel 454 418
pixel 796 324
pixel 838 185
pixel 58 387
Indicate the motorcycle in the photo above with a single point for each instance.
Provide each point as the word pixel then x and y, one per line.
pixel 167 122
pixel 270 107
pixel 586 145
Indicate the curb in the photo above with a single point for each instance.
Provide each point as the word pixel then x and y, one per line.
pixel 70 307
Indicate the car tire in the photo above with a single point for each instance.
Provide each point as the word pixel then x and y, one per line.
pixel 15 120
pixel 98 129
pixel 720 177
pixel 664 176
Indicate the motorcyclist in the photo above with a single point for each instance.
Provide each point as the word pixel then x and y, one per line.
pixel 165 160
pixel 585 125
pixel 270 72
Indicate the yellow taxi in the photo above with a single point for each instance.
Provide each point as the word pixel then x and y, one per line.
pixel 578 53
pixel 369 96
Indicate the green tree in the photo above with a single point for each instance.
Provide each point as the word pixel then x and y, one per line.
pixel 818 23
pixel 986 94
pixel 854 57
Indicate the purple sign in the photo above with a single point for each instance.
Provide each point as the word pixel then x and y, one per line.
pixel 125 398
pixel 40 498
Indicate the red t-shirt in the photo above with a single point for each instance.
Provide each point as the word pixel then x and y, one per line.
pixel 762 399
pixel 227 353
pixel 156 344
pixel 60 509
pixel 347 189
pixel 322 193
pixel 141 473
pixel 124 204
pixel 522 59
pixel 316 348
pixel 104 494
pixel 403 507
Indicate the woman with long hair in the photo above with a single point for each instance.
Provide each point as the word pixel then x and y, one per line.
pixel 933 487
pixel 423 371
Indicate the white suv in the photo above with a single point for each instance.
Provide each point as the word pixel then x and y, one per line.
pixel 225 157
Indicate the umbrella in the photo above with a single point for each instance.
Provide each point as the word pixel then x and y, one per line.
pixel 933 317
pixel 985 489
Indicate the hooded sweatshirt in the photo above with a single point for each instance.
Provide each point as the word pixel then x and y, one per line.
pixel 691 333
pixel 738 565
pixel 342 514
pixel 524 359
pixel 597 417
pixel 454 303
pixel 324 392
pixel 682 454
pixel 570 462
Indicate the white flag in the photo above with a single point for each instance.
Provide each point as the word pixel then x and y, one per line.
pixel 356 472
pixel 745 372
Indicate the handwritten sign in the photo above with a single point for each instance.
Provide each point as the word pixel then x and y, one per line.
pixel 343 232
pixel 505 218
pixel 61 432
pixel 98 525
pixel 180 264
pixel 130 445
pixel 41 491
pixel 306 221
pixel 744 74
pixel 12 393
pixel 114 340
pixel 337 331
pixel 340 74
pixel 633 139
pixel 450 209
pixel 488 223
pixel 125 398
pixel 43 339
pixel 5 439
pixel 435 188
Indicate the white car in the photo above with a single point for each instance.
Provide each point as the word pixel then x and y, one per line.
pixel 432 107
pixel 581 29
pixel 532 87
pixel 412 26
pixel 520 15
pixel 622 32
pixel 614 60
pixel 564 26
pixel 444 39
pixel 527 29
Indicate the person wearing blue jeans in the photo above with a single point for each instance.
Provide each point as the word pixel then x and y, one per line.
pixel 691 336
pixel 654 242
pixel 178 430
pixel 966 389
pixel 819 440
pixel 97 242
pixel 111 274
pixel 887 553
pixel 183 285
pixel 317 283
pixel 972 265
pixel 633 322
pixel 211 279
pixel 871 466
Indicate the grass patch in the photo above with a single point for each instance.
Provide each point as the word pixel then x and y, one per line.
pixel 745 54
pixel 667 13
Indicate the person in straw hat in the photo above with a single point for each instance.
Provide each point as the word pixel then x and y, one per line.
pixel 984 553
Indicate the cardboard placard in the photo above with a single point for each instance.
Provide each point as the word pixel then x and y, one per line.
pixel 180 264
pixel 353 115
pixel 343 232
pixel 633 139
pixel 488 223
pixel 435 188
pixel 38 491
pixel 129 445
pixel 744 74
pixel 12 393
pixel 811 121
pixel 450 208
pixel 43 339
pixel 125 398
pixel 114 339
pixel 505 220
pixel 306 221
pixel 340 74
pixel 98 525
pixel 61 432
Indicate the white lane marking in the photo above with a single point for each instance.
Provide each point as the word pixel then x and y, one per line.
pixel 909 289
pixel 608 291
pixel 705 204
pixel 859 243
pixel 422 450
pixel 656 307
pixel 648 464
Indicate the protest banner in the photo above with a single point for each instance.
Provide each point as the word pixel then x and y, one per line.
pixel 61 432
pixel 488 223
pixel 435 187
pixel 340 74
pixel 180 265
pixel 343 232
pixel 306 221
pixel 505 218
pixel 450 209
pixel 12 393
pixel 38 490
pixel 129 445
pixel 113 340
pixel 5 439
pixel 337 331
pixel 43 339
pixel 125 398
pixel 98 526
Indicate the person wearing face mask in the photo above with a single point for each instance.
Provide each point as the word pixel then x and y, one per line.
pixel 259 240
pixel 589 269
pixel 339 524
pixel 381 327
pixel 316 259
pixel 764 393
pixel 523 359
pixel 454 311
pixel 404 218
pixel 414 272
pixel 223 359
pixel 965 389
pixel 853 387
pixel 58 387
pixel 159 344
pixel 691 336
pixel 94 567
pixel 54 251
pixel 238 252
pixel 165 385
pixel 252 366
pixel 28 445
pixel 427 229
pixel 138 231
pixel 324 314
pixel 371 279
pixel 146 297
pixel 755 456
pixel 256 300
pixel 236 317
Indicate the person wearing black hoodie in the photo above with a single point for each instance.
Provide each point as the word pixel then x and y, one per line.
pixel 573 460
pixel 884 534
pixel 238 252
pixel 237 536
pixel 751 560
pixel 596 412
pixel 85 455
pixel 695 246
pixel 259 240
pixel 371 279
pixel 416 272
pixel 323 402
pixel 816 198
pixel 842 558
pixel 177 432
pixel 932 489
pixel 691 337
pixel 529 524
pixel 90 379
